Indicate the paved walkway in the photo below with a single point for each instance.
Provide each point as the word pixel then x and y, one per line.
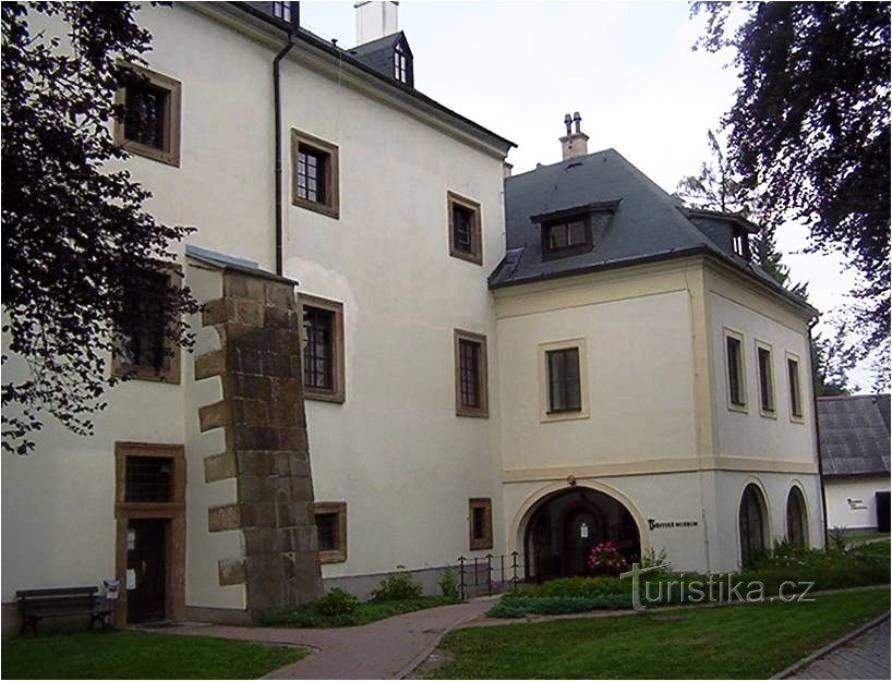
pixel 387 649
pixel 864 657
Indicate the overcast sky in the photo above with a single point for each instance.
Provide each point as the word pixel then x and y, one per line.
pixel 627 67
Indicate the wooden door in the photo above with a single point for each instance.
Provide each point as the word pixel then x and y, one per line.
pixel 146 558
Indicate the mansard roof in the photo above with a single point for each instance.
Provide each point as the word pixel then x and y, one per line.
pixel 645 222
pixel 854 434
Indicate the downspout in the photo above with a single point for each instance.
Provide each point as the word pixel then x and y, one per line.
pixel 814 398
pixel 277 131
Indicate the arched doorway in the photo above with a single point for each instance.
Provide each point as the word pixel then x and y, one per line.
pixel 752 525
pixel 797 521
pixel 565 526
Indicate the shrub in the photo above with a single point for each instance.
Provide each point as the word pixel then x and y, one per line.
pixel 836 539
pixel 575 587
pixel 606 559
pixel 651 559
pixel 508 608
pixel 448 584
pixel 337 602
pixel 398 586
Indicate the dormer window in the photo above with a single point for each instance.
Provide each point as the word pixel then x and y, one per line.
pixel 282 10
pixel 400 65
pixel 567 237
pixel 740 242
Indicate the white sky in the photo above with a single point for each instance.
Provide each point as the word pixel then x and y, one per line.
pixel 627 67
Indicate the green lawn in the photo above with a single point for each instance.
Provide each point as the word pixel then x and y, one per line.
pixel 370 611
pixel 138 655
pixel 731 642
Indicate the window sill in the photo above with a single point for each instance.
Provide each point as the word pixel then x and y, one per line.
pixel 481 545
pixel 336 556
pixel 153 153
pixel 797 419
pixel 472 413
pixel 321 208
pixel 324 396
pixel 474 258
pixel 740 408
pixel 768 414
pixel 555 416
pixel 169 375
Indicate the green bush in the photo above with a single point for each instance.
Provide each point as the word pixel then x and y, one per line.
pixel 398 586
pixel 515 607
pixel 448 584
pixel 576 587
pixel 337 602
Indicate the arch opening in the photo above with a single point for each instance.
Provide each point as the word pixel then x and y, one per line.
pixel 752 521
pixel 797 521
pixel 566 525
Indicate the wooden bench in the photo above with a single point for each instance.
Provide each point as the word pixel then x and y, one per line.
pixel 67 601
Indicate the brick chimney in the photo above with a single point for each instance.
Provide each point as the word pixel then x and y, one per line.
pixel 575 142
pixel 375 19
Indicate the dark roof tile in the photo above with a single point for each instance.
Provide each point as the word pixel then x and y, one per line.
pixel 854 434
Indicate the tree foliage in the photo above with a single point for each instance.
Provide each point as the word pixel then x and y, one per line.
pixel 810 127
pixel 76 237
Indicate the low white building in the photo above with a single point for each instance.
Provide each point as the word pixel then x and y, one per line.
pixel 380 379
pixel 855 456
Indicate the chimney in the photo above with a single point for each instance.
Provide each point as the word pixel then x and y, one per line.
pixel 375 20
pixel 507 168
pixel 575 142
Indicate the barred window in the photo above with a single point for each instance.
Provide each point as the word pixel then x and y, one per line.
pixel 735 371
pixel 148 479
pixel 318 348
pixel 311 175
pixel 470 374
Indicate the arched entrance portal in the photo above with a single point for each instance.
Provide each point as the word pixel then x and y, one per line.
pixel 565 526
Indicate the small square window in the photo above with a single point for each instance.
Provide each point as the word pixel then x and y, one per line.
pixel 480 524
pixel 315 169
pixel 735 370
pixel 323 349
pixel 564 394
pixel 465 236
pixel 470 375
pixel 331 530
pixel 143 348
pixel 566 238
pixel 150 125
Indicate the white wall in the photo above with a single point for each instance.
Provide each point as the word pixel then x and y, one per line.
pixel 851 502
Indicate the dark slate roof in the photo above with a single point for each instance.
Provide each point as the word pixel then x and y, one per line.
pixel 378 54
pixel 260 11
pixel 854 434
pixel 647 223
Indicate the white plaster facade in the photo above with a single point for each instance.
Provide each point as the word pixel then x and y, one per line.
pixel 851 501
pixel 658 436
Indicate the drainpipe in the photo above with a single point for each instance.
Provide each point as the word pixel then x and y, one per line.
pixel 277 107
pixel 814 398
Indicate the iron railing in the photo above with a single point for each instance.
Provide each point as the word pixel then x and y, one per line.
pixel 490 573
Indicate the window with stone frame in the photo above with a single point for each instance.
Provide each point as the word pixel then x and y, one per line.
pixel 150 125
pixel 796 411
pixel 143 347
pixel 323 348
pixel 148 479
pixel 480 524
pixel 734 364
pixel 331 530
pixel 471 394
pixel 564 394
pixel 315 174
pixel 465 236
pixel 766 379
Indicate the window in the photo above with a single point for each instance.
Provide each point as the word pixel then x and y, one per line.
pixel 323 348
pixel 470 375
pixel 480 523
pixel 563 380
pixel 766 379
pixel 465 237
pixel 148 479
pixel 400 64
pixel 567 238
pixel 142 349
pixel 797 523
pixel 796 412
pixel 331 530
pixel 315 169
pixel 740 242
pixel 736 380
pixel 150 125
pixel 282 10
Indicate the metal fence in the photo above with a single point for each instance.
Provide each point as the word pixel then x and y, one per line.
pixel 489 574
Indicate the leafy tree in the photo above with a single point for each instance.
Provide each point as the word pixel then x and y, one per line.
pixel 76 237
pixel 810 127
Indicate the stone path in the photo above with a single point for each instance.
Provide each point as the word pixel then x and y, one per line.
pixel 864 657
pixel 387 649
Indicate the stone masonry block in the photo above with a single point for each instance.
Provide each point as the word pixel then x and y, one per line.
pixel 279 294
pixel 222 518
pixel 210 364
pixel 214 415
pixel 219 467
pixel 231 571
